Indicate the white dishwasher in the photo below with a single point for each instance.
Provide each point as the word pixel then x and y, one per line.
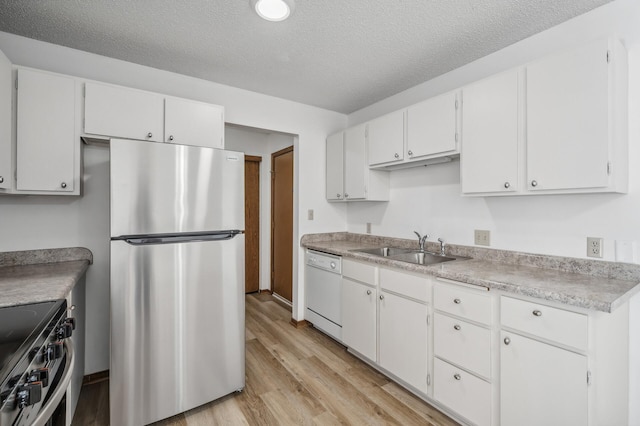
pixel 324 292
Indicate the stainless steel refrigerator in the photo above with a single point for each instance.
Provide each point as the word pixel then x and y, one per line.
pixel 177 278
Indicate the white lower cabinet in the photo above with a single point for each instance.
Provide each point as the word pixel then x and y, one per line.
pixel 462 392
pixel 489 358
pixel 403 339
pixel 359 317
pixel 541 384
pixel 462 347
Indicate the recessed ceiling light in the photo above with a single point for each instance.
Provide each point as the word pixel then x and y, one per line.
pixel 273 10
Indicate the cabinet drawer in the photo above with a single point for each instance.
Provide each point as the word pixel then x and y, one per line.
pixel 359 271
pixel 464 393
pixel 462 343
pixel 405 284
pixel 558 325
pixel 466 303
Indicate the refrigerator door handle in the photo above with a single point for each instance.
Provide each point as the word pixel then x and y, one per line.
pixel 179 238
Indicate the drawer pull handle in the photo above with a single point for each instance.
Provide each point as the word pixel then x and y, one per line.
pixel 457 376
pixel 537 313
pixel 456 327
pixel 507 340
pixel 457 301
pixel 368 292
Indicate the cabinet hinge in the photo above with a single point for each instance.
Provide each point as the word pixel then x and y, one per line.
pixel 609 168
pixel 456 137
pixel 366 132
pixel 456 104
pixel 428 320
pixel 428 379
pixel 588 377
pixel 608 56
pixel 16 83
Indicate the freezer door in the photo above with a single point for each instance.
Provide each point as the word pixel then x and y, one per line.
pixel 177 327
pixel 159 188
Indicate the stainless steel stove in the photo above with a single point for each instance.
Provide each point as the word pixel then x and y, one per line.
pixel 35 362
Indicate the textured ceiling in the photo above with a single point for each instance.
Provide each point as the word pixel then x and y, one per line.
pixel 341 55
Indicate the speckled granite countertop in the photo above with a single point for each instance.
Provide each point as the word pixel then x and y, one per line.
pixel 595 285
pixel 39 275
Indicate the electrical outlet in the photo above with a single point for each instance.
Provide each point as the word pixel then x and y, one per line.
pixel 310 214
pixel 482 238
pixel 368 227
pixel 594 247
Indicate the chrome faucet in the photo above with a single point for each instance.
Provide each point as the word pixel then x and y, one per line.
pixel 441 241
pixel 421 239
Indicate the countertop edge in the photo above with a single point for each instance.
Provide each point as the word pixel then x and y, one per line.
pixel 40 256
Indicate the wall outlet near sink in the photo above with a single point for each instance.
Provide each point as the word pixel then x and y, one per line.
pixel 481 238
pixel 594 247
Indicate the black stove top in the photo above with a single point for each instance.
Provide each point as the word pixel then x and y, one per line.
pixel 20 327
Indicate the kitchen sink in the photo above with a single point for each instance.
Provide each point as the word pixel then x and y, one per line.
pixel 422 258
pixel 408 255
pixel 385 251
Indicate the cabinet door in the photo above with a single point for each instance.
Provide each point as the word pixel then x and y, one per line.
pixel 386 138
pixel 489 157
pixel 335 167
pixel 45 131
pixel 193 123
pixel 355 163
pixel 359 318
pixel 403 339
pixel 431 127
pixel 123 113
pixel 5 122
pixel 568 120
pixel 541 384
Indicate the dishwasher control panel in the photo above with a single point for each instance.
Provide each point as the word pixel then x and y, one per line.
pixel 324 261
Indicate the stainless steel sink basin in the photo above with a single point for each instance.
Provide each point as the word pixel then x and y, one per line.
pixel 385 251
pixel 422 258
pixel 408 255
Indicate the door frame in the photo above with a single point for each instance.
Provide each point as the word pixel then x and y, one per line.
pixel 273 178
pixel 255 159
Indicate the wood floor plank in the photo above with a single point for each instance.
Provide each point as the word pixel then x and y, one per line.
pixel 294 376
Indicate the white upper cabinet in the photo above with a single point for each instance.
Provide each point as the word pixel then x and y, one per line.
pixel 555 126
pixel 431 127
pixel 425 133
pixel 571 108
pixel 386 139
pixel 5 123
pixel 193 123
pixel 47 143
pixel 348 177
pixel 335 167
pixel 355 163
pixel 115 111
pixel 489 158
pixel 123 113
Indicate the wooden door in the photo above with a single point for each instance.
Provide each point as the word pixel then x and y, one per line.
pixel 282 222
pixel 252 223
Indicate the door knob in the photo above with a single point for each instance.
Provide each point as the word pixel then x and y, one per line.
pixel 149 135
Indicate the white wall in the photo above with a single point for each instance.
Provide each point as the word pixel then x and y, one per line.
pixel 262 144
pixel 40 222
pixel 428 199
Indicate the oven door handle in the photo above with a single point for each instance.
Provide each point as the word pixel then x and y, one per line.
pixel 47 410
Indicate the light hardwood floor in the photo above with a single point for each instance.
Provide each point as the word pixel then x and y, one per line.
pixel 295 376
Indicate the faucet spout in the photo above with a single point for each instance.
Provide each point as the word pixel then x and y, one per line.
pixel 441 241
pixel 421 240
